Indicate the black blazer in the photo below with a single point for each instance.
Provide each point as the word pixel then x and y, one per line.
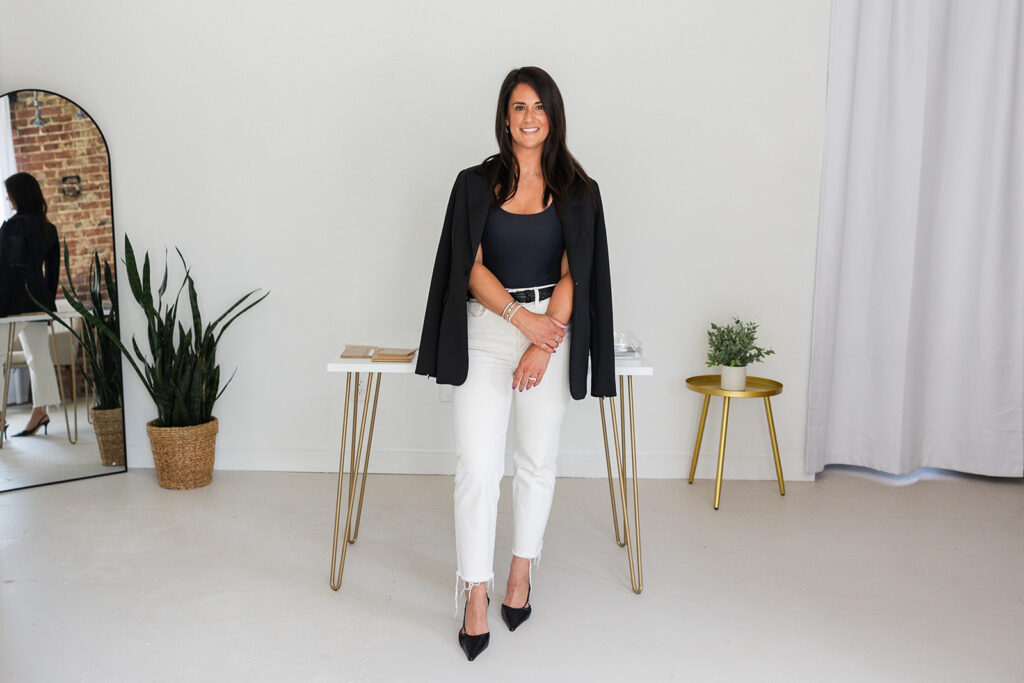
pixel 27 241
pixel 444 352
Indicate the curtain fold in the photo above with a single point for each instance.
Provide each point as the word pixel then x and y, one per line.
pixel 918 334
pixel 8 165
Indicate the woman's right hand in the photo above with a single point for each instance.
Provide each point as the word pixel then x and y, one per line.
pixel 542 330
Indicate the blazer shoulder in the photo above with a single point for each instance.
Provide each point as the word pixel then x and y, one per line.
pixel 478 171
pixel 472 174
pixel 29 221
pixel 594 186
pixel 584 195
pixel 18 220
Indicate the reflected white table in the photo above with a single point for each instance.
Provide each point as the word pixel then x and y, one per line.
pixel 12 322
pixel 359 454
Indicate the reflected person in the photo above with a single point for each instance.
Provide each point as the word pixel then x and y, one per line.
pixel 30 263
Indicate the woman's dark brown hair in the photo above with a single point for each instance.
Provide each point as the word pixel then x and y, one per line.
pixel 563 175
pixel 24 191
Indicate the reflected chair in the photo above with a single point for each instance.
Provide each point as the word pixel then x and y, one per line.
pixel 66 348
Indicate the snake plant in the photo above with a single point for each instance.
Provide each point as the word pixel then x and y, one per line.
pixel 180 373
pixel 101 354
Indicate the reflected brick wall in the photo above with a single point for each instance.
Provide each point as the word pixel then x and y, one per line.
pixel 67 146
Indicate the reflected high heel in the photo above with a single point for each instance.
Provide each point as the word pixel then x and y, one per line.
pixel 42 423
pixel 515 616
pixel 473 645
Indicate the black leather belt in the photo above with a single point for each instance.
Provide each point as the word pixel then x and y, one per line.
pixel 526 296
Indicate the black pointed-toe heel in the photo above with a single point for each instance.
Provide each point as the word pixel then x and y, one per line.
pixel 515 616
pixel 473 645
pixel 42 423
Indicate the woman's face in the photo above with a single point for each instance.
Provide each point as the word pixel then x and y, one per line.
pixel 526 119
pixel 11 202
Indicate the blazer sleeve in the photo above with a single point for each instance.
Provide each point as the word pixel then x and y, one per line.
pixel 6 274
pixel 602 356
pixel 53 262
pixel 426 361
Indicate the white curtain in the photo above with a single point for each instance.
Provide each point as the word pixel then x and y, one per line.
pixel 8 165
pixel 918 334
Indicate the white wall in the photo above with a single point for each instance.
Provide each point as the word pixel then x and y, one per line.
pixel 309 147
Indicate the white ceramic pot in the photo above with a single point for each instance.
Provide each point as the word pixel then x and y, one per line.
pixel 734 379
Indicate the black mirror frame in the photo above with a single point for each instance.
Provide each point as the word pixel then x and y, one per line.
pixel 113 239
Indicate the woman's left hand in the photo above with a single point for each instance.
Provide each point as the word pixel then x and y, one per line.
pixel 531 368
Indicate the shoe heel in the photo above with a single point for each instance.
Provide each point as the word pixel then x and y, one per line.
pixel 473 645
pixel 515 616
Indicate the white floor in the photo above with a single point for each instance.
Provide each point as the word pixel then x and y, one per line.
pixel 845 579
pixel 48 456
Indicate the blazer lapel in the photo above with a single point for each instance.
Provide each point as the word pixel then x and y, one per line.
pixel 477 204
pixel 572 221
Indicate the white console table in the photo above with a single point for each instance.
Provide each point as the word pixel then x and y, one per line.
pixel 359 453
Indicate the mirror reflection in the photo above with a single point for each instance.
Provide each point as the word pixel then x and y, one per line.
pixel 55 166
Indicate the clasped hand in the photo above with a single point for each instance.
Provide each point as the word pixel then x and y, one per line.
pixel 542 330
pixel 530 371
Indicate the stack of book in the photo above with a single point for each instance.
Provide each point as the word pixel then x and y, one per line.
pixel 378 354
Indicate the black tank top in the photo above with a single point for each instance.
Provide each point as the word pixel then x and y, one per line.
pixel 523 250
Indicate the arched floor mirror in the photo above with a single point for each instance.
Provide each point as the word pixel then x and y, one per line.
pixel 57 143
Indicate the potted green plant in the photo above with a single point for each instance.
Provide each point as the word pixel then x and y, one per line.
pixel 102 369
pixel 732 347
pixel 180 374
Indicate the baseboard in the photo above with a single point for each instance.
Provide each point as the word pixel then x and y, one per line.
pixel 412 461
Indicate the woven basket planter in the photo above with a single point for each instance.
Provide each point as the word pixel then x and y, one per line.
pixel 183 455
pixel 109 428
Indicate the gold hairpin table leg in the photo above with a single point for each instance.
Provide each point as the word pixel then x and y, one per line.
pixel 356 457
pixel 775 445
pixel 721 451
pixel 611 481
pixel 7 380
pixel 366 458
pixel 636 563
pixel 60 386
pixel 700 436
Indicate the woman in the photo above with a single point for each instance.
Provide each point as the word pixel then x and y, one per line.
pixel 28 245
pixel 520 297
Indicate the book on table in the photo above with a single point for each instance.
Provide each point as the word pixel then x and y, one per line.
pixel 378 354
pixel 357 351
pixel 392 355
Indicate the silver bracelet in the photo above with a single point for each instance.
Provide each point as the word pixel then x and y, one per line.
pixel 514 311
pixel 504 312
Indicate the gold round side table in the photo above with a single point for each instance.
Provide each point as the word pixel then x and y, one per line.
pixel 757 387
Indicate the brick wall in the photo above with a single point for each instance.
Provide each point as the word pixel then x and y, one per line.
pixel 66 146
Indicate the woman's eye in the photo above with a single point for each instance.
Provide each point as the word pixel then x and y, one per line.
pixel 540 106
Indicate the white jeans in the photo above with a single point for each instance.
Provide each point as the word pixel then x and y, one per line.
pixel 35 342
pixel 481 408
